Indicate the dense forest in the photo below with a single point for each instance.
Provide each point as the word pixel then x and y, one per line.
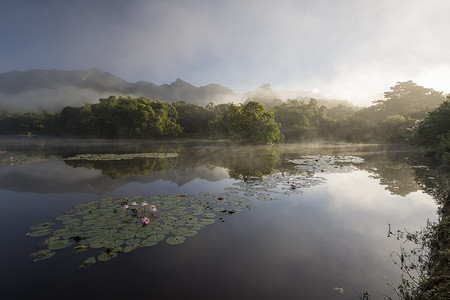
pixel 408 113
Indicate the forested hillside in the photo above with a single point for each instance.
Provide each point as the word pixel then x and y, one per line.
pixel 390 120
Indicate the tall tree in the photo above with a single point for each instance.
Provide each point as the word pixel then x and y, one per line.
pixel 252 123
pixel 408 99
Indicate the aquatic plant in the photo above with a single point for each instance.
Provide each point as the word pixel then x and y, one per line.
pixel 116 225
pixel 127 156
pixel 103 224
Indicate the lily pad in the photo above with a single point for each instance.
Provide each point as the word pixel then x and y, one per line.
pixel 39 233
pixel 206 221
pixel 59 244
pixel 42 255
pixel 104 257
pixel 40 226
pixel 88 262
pixel 128 248
pixel 175 240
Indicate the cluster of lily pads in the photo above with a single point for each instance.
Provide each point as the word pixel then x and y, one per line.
pixel 127 156
pixel 9 158
pixel 123 225
pixel 326 163
pixel 268 187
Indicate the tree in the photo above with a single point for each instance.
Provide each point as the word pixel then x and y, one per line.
pixel 435 125
pixel 252 123
pixel 193 118
pixel 434 132
pixel 408 99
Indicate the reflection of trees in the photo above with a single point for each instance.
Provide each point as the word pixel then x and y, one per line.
pixel 436 182
pixel 391 165
pixel 124 168
pixel 394 170
pixel 242 162
pixel 247 164
pixel 396 176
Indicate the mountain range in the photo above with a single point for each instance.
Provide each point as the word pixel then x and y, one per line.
pixel 54 89
pixel 51 90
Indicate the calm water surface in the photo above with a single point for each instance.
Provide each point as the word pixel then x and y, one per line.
pixel 285 243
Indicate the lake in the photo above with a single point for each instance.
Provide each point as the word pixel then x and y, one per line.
pixel 289 221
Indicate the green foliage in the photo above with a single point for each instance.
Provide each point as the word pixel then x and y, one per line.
pixel 194 119
pixel 123 117
pixel 435 124
pixel 251 123
pixel 262 119
pixel 434 132
pixel 302 121
pixel 408 99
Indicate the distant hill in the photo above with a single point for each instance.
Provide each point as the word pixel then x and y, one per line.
pixel 36 90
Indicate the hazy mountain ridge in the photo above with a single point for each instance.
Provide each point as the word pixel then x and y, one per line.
pixel 53 89
pixel 38 89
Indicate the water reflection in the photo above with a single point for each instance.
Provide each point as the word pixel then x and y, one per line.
pixel 391 166
pixel 332 234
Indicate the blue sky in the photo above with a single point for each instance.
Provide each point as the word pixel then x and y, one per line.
pixel 346 49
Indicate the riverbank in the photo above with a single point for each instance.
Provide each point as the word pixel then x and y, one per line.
pixel 437 285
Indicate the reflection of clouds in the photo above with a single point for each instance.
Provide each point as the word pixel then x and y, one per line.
pixel 181 177
pixel 333 234
pixel 357 191
pixel 54 176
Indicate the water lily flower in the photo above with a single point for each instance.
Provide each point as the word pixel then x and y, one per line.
pixel 126 206
pixel 153 208
pixel 144 204
pixel 293 186
pixel 220 198
pixel 134 203
pixel 145 220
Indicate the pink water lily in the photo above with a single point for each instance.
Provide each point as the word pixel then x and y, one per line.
pixel 145 220
pixel 153 208
pixel 293 186
pixel 126 206
pixel 134 203
pixel 220 198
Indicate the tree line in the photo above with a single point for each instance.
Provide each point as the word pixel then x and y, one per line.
pixel 403 115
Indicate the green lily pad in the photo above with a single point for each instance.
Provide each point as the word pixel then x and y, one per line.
pixel 209 215
pixel 42 255
pixel 39 233
pixel 104 257
pixel 128 248
pixel 206 221
pixel 56 244
pixel 88 262
pixel 40 226
pixel 117 250
pixel 175 240
pixel 148 243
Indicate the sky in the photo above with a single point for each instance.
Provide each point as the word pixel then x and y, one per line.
pixel 343 49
